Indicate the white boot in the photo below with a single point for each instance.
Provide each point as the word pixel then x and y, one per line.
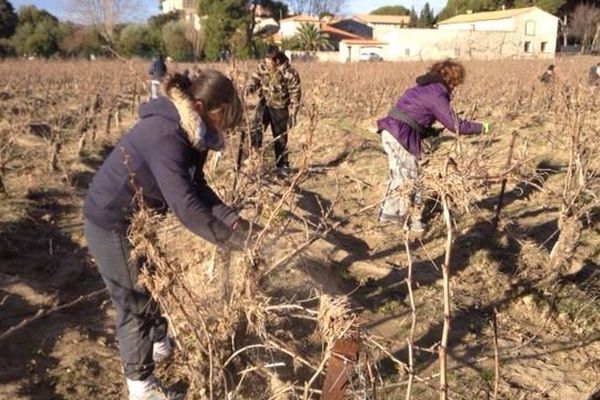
pixel 162 350
pixel 149 389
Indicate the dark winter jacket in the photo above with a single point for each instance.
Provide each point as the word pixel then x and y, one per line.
pixel 425 103
pixel 158 69
pixel 547 77
pixel 166 168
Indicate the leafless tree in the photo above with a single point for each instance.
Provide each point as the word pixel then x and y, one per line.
pixel 103 15
pixel 563 23
pixel 316 7
pixel 585 22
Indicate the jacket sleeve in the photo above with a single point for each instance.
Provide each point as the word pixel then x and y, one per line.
pixel 294 90
pixel 446 116
pixel 165 157
pixel 254 81
pixel 223 212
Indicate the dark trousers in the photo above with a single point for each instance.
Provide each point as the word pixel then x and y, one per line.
pixel 278 119
pixel 139 322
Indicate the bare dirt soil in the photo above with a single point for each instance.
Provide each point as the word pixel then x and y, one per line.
pixel 547 330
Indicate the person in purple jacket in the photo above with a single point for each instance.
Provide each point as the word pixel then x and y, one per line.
pixel 403 129
pixel 161 157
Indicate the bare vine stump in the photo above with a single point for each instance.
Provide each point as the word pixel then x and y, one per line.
pixel 564 249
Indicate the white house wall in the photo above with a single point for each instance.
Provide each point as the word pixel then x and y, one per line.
pixel 506 24
pixel 546 30
pixel 381 30
pixel 351 53
pixel 511 38
pixel 434 44
pixel 171 5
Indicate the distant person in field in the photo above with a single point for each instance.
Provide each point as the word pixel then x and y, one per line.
pixel 278 86
pixel 403 129
pixel 161 157
pixel 157 72
pixel 594 75
pixel 549 76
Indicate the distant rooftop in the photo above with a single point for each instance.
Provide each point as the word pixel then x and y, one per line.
pixel 301 18
pixel 384 19
pixel 363 41
pixel 335 31
pixel 487 16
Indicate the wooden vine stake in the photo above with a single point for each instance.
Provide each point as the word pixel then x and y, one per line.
pixel 443 348
pixel 411 336
pixel 511 146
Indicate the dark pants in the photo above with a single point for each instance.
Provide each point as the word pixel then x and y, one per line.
pixel 139 322
pixel 278 119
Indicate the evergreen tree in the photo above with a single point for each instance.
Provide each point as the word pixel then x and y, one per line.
pixel 278 9
pixel 178 46
pixel 426 18
pixel 155 30
pixel 455 7
pixel 8 19
pixel 223 19
pixel 391 10
pixel 134 40
pixel 38 32
pixel 551 6
pixel 414 19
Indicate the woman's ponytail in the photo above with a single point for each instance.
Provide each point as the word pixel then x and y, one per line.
pixel 180 82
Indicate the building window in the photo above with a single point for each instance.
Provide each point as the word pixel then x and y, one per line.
pixel 544 47
pixel 528 48
pixel 530 28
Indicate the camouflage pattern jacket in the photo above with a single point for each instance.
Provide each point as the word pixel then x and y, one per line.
pixel 279 88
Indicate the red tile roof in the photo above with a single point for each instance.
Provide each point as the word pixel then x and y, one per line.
pixel 335 31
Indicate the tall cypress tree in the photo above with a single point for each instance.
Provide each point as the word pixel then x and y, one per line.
pixel 426 18
pixel 414 19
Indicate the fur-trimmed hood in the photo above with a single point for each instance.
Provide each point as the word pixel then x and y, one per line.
pixel 178 107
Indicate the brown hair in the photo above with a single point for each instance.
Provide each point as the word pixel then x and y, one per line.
pixel 452 72
pixel 216 92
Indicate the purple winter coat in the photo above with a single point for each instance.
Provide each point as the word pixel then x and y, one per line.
pixel 425 103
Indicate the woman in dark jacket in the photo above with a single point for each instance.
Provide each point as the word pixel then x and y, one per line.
pixel 157 72
pixel 403 129
pixel 162 156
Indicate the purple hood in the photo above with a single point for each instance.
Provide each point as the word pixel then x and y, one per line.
pixel 425 103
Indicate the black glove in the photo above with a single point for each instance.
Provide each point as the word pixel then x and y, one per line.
pixel 432 132
pixel 235 242
pixel 241 238
pixel 294 118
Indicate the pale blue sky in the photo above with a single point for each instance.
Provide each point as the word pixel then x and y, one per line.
pixel 365 6
pixel 150 7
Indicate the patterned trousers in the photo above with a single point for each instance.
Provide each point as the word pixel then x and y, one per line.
pixel 154 89
pixel 404 178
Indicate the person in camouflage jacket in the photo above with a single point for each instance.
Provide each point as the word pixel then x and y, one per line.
pixel 278 86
